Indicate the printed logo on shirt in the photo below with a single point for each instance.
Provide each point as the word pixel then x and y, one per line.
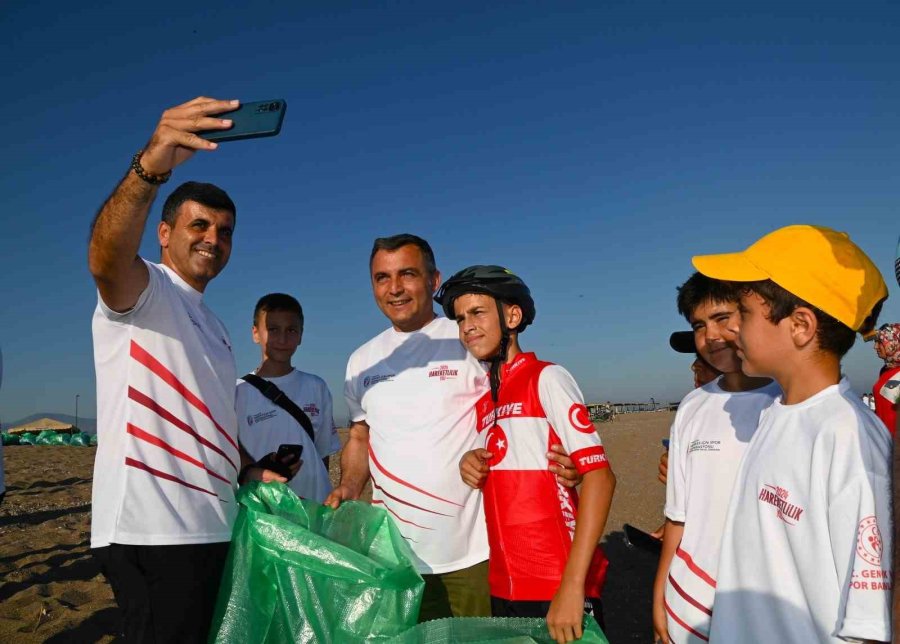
pixel 868 541
pixel 311 409
pixel 777 497
pixel 580 419
pixel 868 579
pixel 258 418
pixel 443 372
pixel 371 381
pixel 497 444
pixel 704 446
pixel 503 411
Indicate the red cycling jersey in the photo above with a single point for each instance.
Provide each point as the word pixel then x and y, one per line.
pixel 530 516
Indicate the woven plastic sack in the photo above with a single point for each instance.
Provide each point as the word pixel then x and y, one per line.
pixel 298 571
pixel 93 439
pixel 9 439
pixel 27 438
pixel 506 630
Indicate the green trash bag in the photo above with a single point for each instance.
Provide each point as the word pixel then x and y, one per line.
pixel 9 439
pixel 298 571
pixel 509 630
pixel 27 438
pixel 93 440
pixel 80 440
pixel 48 437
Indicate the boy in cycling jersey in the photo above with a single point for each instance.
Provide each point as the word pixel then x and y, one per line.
pixel 545 559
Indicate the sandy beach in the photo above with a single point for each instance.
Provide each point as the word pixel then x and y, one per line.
pixel 51 590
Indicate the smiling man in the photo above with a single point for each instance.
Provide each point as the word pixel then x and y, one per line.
pixel 412 391
pixel 167 457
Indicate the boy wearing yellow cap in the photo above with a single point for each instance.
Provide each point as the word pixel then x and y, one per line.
pixel 806 554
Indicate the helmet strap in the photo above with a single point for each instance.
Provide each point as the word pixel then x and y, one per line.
pixel 500 358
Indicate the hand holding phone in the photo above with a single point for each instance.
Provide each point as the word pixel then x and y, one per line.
pixel 282 461
pixel 250 121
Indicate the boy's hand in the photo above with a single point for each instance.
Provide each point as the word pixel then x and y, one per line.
pixel 663 467
pixel 566 614
pixel 264 475
pixel 473 467
pixel 660 623
pixel 564 468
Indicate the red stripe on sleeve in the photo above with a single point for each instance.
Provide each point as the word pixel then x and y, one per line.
pixel 589 458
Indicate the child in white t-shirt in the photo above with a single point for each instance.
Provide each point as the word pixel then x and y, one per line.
pixel 711 430
pixel 264 425
pixel 806 554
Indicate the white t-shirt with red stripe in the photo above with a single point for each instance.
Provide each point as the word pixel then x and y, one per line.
pixel 806 552
pixel 167 457
pixel 530 515
pixel 417 392
pixel 708 438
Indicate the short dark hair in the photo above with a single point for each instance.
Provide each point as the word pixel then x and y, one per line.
pixel 205 194
pixel 395 242
pixel 699 289
pixel 833 336
pixel 277 302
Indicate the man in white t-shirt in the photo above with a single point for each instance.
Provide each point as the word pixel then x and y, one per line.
pixel 264 425
pixel 710 432
pixel 411 392
pixel 167 458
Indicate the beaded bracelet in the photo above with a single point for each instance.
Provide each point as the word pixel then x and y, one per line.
pixel 153 179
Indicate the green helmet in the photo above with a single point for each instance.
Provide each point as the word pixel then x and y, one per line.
pixel 496 281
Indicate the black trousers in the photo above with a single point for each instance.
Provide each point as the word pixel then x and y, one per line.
pixel 511 608
pixel 166 593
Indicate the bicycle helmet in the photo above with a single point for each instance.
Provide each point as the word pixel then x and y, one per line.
pixel 496 281
pixel 501 284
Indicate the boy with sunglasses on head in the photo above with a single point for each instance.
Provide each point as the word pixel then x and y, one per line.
pixel 544 554
pixel 806 553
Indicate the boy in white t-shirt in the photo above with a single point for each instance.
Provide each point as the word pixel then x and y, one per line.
pixel 806 554
pixel 264 425
pixel 710 432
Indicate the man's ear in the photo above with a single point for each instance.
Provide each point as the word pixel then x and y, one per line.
pixel 255 333
pixel 803 326
pixel 435 281
pixel 162 232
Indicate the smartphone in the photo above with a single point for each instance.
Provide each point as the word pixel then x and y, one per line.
pixel 665 443
pixel 250 121
pixel 637 538
pixel 289 453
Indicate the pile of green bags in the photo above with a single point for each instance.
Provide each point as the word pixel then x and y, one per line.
pixel 48 437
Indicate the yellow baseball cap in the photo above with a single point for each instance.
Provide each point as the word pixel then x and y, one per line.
pixel 819 265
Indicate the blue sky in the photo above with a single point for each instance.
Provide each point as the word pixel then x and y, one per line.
pixel 591 148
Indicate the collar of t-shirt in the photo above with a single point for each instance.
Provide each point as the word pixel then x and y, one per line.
pixel 518 362
pixel 195 295
pixel 841 388
pixel 424 329
pixel 715 387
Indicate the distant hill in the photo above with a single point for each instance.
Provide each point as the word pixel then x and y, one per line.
pixel 87 425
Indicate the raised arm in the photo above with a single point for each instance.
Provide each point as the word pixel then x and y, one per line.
pixel 117 229
pixel 354 466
